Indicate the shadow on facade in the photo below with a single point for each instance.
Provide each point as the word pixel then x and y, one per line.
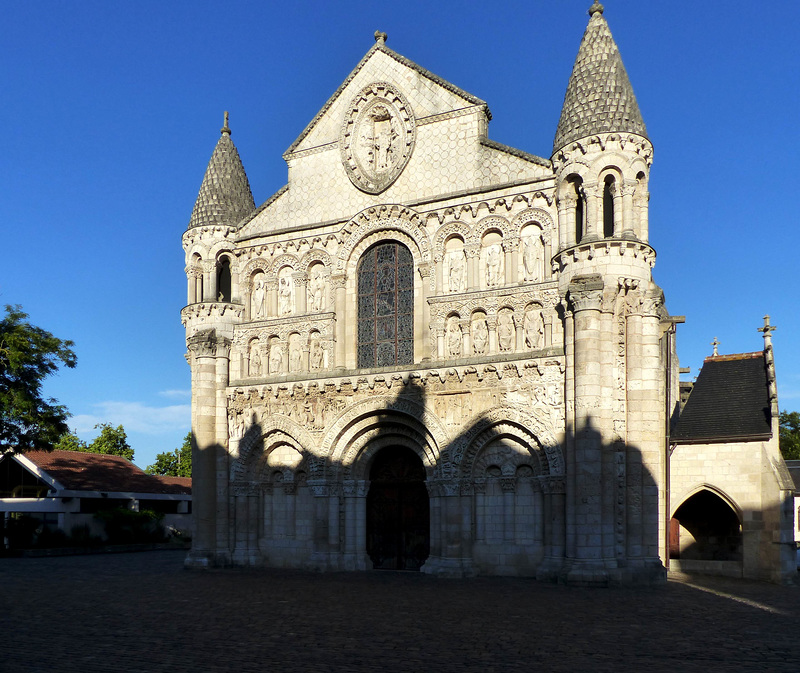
pixel 384 483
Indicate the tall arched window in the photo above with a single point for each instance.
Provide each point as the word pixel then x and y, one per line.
pixel 224 280
pixel 386 306
pixel 609 188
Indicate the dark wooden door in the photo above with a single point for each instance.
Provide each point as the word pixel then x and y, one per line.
pixel 398 511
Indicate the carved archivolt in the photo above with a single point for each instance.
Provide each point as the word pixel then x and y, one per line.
pixel 507 421
pixel 486 225
pixel 542 217
pixel 282 261
pixel 316 255
pixel 451 228
pixel 256 446
pixel 376 410
pixel 369 231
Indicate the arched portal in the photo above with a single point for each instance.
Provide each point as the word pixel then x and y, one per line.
pixel 705 528
pixel 398 511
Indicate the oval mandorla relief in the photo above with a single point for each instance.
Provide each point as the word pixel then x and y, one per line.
pixel 377 137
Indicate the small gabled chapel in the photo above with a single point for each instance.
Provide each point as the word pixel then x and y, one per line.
pixel 431 351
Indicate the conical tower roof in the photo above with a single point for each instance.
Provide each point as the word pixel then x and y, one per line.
pixel 599 96
pixel 225 197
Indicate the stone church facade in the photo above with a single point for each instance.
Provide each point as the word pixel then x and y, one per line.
pixel 430 351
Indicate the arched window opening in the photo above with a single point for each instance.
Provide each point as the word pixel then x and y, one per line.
pixel 609 189
pixel 580 213
pixel 224 280
pixel 386 306
pixel 705 528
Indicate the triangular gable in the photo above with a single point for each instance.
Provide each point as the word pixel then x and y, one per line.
pixel 427 94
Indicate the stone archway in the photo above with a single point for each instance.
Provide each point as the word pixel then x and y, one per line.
pixel 398 511
pixel 705 528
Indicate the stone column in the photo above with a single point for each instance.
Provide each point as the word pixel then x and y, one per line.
pixel 629 224
pixel 473 253
pixel 362 560
pixel 508 484
pixel 338 285
pixel 571 208
pixel 349 489
pixel 617 194
pixel 439 263
pixel 564 209
pixel 272 298
pixel 422 344
pixel 203 350
pixel 491 323
pixel 643 219
pixel 510 261
pixel 209 282
pixel 593 222
pixel 300 280
pixel 587 521
pixel 466 345
pixel 479 488
pixel 222 371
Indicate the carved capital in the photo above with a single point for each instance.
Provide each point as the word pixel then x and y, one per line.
pixel 207 344
pixel 508 484
pixel 338 281
pixel 300 278
pixel 586 292
pixel 511 244
pixel 472 250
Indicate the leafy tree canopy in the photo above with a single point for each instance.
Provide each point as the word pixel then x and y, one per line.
pixel 28 354
pixel 111 441
pixel 790 434
pixel 177 463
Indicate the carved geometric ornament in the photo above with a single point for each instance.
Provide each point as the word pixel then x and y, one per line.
pixel 377 137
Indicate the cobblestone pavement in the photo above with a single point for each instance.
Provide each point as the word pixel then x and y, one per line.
pixel 144 612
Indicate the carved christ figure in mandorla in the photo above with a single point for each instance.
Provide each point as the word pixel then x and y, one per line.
pixel 381 144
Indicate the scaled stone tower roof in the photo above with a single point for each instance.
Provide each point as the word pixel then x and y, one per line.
pixel 599 96
pixel 225 197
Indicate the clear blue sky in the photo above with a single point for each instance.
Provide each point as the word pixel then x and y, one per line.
pixel 110 111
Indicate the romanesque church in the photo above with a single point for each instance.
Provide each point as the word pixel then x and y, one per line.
pixel 431 351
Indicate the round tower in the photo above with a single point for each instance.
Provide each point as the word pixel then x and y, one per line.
pixel 213 308
pixel 611 312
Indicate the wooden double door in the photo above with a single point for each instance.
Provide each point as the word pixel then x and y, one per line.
pixel 398 511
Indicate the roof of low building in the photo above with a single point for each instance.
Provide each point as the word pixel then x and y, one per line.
pixel 729 401
pixel 599 96
pixel 78 471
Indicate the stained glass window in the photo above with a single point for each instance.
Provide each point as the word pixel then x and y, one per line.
pixel 386 306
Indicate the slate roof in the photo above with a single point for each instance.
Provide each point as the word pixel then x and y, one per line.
pixel 729 402
pixel 599 96
pixel 78 471
pixel 225 197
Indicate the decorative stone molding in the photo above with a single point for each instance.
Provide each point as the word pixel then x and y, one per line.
pixel 586 293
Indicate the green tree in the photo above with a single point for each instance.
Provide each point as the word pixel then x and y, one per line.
pixel 177 463
pixel 790 434
pixel 111 441
pixel 69 441
pixel 28 355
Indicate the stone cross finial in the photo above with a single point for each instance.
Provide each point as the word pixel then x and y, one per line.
pixel 715 343
pixel 380 37
pixel 596 8
pixel 767 331
pixel 225 128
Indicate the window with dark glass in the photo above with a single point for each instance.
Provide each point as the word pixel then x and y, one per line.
pixel 386 306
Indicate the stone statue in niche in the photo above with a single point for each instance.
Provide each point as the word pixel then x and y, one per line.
pixel 533 259
pixel 295 356
pixel 533 328
pixel 275 358
pixel 493 265
pixel 453 338
pixel 317 354
pixel 480 336
pixel 259 294
pixel 505 330
pixel 285 295
pixel 316 290
pixel 457 268
pixel 254 366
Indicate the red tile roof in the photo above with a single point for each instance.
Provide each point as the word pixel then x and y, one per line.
pixel 78 471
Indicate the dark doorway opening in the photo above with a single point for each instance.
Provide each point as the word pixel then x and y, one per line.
pixel 705 529
pixel 398 511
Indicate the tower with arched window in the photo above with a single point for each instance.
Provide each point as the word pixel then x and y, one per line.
pixel 431 351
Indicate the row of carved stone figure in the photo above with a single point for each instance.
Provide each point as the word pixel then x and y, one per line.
pixel 277 361
pixel 532 332
pixel 315 293
pixel 532 267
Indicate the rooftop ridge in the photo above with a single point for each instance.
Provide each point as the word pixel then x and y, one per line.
pixel 734 356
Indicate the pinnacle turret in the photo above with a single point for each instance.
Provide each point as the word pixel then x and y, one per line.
pixel 225 197
pixel 599 96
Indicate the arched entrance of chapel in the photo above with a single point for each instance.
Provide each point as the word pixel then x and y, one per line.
pixel 398 511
